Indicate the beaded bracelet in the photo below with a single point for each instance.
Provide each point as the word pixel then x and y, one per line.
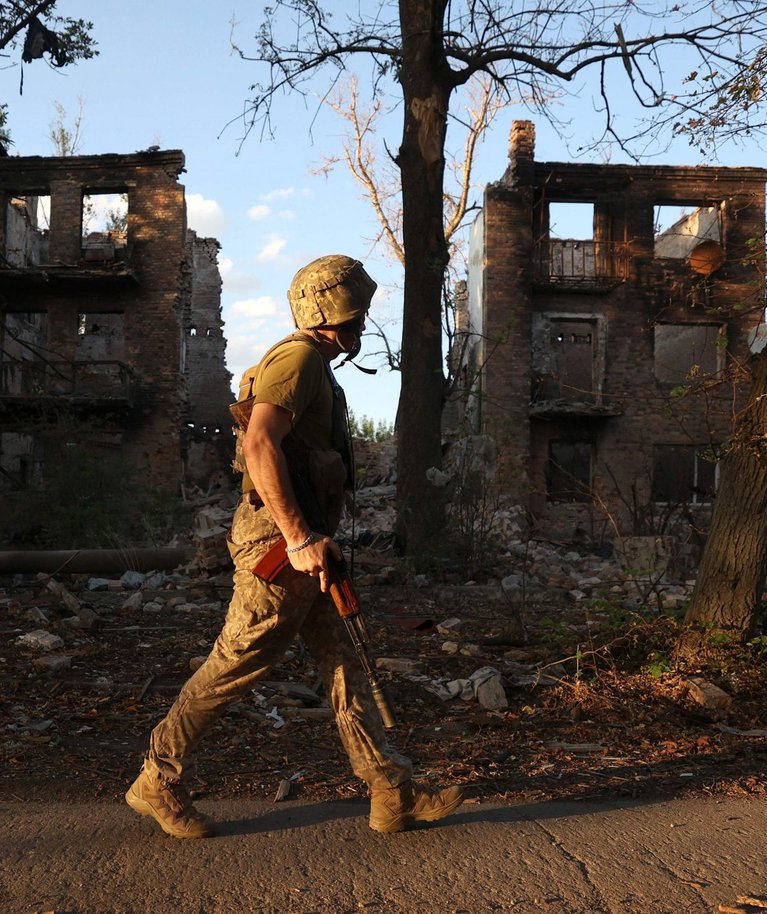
pixel 307 542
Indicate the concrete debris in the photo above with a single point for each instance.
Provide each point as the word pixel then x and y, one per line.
pixel 283 790
pixel 470 650
pixel 212 554
pixel 132 580
pixel 512 584
pixel 155 581
pixel 36 615
pixel 53 663
pixel 450 626
pixel 213 517
pixel 98 584
pixel 153 606
pixel 60 592
pixel 650 555
pixel 489 688
pixel 450 647
pixel 84 617
pixel 461 688
pixel 134 601
pixel 708 695
pixel 400 665
pixel 40 640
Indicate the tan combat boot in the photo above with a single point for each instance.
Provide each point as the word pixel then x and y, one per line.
pixel 169 804
pixel 397 808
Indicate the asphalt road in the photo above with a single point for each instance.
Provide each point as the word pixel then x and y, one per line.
pixel 298 858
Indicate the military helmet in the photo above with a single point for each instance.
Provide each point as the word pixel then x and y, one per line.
pixel 330 291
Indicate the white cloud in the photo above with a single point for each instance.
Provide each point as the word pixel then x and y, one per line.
pixel 225 265
pixel 272 250
pixel 280 193
pixel 265 306
pixel 206 217
pixel 261 211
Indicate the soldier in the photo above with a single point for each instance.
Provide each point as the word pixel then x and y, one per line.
pixel 297 424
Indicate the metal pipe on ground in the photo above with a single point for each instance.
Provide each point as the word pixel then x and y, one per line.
pixel 95 561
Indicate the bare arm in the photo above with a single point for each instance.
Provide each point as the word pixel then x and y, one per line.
pixel 268 469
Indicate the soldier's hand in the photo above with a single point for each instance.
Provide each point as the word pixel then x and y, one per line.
pixel 313 559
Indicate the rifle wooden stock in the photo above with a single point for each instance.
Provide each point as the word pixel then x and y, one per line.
pixel 347 605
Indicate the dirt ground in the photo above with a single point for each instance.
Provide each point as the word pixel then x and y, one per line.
pixel 595 708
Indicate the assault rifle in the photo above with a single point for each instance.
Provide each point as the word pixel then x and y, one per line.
pixel 347 604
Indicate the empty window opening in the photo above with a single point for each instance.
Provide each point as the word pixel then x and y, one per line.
pixel 569 471
pixel 680 228
pixel 686 351
pixel 683 474
pixel 26 230
pixel 104 225
pixel 571 220
pixel 577 247
pixel 192 331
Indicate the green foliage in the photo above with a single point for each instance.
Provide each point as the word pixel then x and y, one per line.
pixel 555 632
pixel 73 35
pixel 759 644
pixel 719 638
pixel 368 430
pixel 680 391
pixel 5 136
pixel 659 664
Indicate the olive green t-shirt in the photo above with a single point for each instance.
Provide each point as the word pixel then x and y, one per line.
pixel 294 375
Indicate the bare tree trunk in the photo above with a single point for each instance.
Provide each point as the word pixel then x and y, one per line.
pixel 728 588
pixel 426 87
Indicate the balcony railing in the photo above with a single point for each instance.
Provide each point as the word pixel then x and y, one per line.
pixel 97 381
pixel 569 262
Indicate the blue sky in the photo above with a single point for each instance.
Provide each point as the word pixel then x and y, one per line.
pixel 166 75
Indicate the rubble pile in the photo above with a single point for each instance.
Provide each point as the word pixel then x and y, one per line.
pixel 89 664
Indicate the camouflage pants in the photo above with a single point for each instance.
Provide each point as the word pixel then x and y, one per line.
pixel 261 622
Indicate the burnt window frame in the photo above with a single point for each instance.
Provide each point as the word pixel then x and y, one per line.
pixel 719 350
pixel 582 495
pixel 693 204
pixel 701 454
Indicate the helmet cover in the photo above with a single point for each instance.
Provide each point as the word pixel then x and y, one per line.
pixel 329 291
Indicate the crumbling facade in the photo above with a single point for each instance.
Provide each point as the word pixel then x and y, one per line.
pixel 605 359
pixel 110 322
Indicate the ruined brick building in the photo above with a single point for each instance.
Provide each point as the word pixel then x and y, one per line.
pixel 603 360
pixel 110 322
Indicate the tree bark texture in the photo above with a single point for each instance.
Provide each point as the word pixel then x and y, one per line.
pixel 728 588
pixel 426 85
